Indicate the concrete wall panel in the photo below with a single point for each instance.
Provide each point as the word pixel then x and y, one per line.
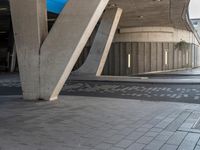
pixel 123 59
pixel 171 56
pixel 153 57
pixel 134 62
pixel 159 57
pixel 141 57
pixel 147 57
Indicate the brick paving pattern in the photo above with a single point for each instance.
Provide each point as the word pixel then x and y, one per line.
pixel 87 123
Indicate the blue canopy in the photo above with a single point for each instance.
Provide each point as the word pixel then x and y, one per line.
pixel 56 6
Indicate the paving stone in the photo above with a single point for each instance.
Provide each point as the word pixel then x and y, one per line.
pixel 136 146
pixel 156 130
pixel 164 136
pixel 126 131
pixel 116 148
pixel 145 140
pixel 189 142
pixel 114 139
pixel 103 146
pixel 163 124
pixel 151 134
pixel 169 147
pixel 148 126
pixel 124 143
pixel 135 135
pixel 154 145
pixel 177 138
pixel 197 147
pixel 142 129
pixel 178 121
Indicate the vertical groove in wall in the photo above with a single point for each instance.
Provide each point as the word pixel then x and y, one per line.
pixel 153 57
pixel 135 58
pixel 147 57
pixel 159 57
pixel 171 56
pixel 117 60
pixel 121 51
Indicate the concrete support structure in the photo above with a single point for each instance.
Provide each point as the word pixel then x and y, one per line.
pixel 29 18
pixel 96 59
pixel 45 61
pixel 65 43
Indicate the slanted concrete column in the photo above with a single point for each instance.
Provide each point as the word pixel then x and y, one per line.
pixel 65 43
pixel 29 18
pixel 96 59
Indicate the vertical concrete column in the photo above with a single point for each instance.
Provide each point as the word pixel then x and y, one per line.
pixel 65 43
pixel 29 18
pixel 96 59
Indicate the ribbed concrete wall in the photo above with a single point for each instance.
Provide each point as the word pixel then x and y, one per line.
pixel 145 57
pixel 149 57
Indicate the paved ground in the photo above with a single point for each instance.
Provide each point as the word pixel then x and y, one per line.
pixel 189 93
pixel 94 123
pixel 86 123
pixel 153 92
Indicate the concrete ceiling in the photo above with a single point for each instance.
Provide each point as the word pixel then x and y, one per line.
pixel 141 13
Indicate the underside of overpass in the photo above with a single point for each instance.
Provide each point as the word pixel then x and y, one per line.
pixel 116 37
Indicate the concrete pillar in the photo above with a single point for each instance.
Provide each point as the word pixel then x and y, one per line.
pixel 153 57
pixel 29 18
pixel 65 42
pixel 96 59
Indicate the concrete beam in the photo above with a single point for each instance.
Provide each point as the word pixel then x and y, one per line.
pixel 154 34
pixel 96 59
pixel 65 43
pixel 29 18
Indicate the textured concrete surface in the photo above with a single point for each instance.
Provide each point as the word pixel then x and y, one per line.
pixel 65 43
pixel 29 20
pixel 84 123
pixel 140 13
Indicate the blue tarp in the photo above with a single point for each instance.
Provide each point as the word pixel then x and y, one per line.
pixel 56 6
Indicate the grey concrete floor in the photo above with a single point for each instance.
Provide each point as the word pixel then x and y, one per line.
pixel 86 123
